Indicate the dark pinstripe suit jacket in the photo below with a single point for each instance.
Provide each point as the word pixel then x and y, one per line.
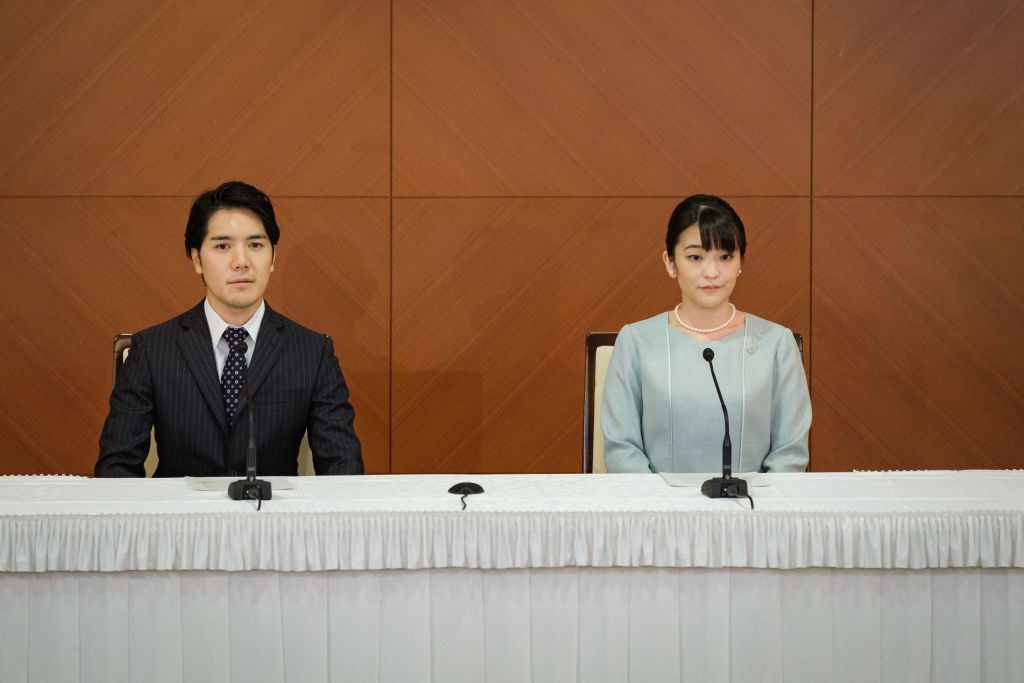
pixel 169 381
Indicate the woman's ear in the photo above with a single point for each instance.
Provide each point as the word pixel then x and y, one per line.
pixel 670 265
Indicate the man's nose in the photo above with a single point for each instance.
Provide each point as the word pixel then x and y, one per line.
pixel 240 259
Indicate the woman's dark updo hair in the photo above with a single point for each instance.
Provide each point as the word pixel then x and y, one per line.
pixel 720 227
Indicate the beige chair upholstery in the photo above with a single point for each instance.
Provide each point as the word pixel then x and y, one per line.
pixel 599 354
pixel 305 458
pixel 122 344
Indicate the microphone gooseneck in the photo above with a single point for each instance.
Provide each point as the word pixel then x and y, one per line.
pixel 250 454
pixel 249 488
pixel 709 356
pixel 725 486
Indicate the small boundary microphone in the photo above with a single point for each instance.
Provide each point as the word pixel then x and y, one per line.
pixel 249 488
pixel 725 486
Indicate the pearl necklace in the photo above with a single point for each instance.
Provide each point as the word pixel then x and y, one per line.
pixel 705 330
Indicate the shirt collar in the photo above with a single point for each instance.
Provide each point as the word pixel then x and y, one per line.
pixel 217 324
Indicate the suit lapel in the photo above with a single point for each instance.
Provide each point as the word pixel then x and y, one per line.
pixel 269 343
pixel 195 345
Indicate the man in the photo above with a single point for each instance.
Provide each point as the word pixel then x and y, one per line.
pixel 186 377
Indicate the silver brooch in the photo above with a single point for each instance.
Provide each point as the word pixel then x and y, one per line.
pixel 753 344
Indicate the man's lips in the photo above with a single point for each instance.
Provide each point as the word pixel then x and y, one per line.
pixel 240 282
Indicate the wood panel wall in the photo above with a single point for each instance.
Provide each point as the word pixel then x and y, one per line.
pixel 465 189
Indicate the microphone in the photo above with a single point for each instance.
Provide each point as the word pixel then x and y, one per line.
pixel 724 486
pixel 249 488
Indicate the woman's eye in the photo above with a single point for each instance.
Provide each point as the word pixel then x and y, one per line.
pixel 726 257
pixel 694 257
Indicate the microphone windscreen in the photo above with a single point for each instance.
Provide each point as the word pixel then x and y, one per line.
pixel 709 355
pixel 243 348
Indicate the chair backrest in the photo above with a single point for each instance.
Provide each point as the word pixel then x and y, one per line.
pixel 599 354
pixel 122 344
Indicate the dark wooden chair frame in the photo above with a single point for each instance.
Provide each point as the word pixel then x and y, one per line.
pixel 594 340
pixel 121 342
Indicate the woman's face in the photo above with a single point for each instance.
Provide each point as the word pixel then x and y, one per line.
pixel 706 277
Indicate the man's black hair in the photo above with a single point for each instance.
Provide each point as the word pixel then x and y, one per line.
pixel 231 195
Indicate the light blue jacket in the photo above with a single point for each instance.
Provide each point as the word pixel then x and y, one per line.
pixel 660 411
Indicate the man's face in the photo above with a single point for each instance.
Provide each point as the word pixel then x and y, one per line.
pixel 236 259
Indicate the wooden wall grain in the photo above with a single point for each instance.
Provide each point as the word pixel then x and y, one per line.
pixel 467 188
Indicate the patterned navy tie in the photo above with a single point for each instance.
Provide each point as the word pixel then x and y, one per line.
pixel 232 376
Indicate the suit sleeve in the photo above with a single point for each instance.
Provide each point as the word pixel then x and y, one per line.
pixel 622 409
pixel 332 436
pixel 791 411
pixel 124 441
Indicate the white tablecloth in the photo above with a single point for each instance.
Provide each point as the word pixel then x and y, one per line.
pixel 542 578
pixel 844 520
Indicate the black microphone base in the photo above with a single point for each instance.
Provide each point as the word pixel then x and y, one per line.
pixel 249 489
pixel 724 487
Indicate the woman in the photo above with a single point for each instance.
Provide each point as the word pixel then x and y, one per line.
pixel 660 411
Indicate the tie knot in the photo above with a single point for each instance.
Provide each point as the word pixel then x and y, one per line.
pixel 233 335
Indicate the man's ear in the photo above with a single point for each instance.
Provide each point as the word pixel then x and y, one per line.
pixel 273 257
pixel 196 261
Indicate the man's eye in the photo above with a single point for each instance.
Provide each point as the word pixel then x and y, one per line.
pixel 220 246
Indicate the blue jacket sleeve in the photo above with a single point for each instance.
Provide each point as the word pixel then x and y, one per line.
pixel 791 411
pixel 622 409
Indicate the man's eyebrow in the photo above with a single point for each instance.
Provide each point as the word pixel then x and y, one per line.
pixel 227 238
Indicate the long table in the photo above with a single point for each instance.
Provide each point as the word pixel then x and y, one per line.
pixel 832 577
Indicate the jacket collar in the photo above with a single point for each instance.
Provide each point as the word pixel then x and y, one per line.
pixel 195 346
pixel 269 344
